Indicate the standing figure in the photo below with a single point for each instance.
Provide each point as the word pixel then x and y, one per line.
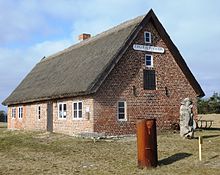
pixel 186 119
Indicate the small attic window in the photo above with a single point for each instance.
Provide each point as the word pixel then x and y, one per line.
pixel 147 37
pixel 122 111
pixel 149 60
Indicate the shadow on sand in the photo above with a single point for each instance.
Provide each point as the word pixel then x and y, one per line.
pixel 211 129
pixel 208 136
pixel 173 158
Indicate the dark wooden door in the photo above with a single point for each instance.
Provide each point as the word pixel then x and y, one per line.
pixel 50 116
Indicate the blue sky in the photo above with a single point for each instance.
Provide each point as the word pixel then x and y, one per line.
pixel 32 29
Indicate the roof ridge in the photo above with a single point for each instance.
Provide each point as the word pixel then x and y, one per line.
pixel 96 37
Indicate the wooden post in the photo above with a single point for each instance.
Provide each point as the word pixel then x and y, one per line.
pixel 200 148
pixel 147 143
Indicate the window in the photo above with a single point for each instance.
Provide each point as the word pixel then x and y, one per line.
pixel 149 80
pixel 147 37
pixel 38 112
pixel 77 110
pixel 13 112
pixel 20 112
pixel 62 110
pixel 149 60
pixel 122 111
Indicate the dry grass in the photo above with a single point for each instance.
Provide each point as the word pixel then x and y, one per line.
pixel 45 153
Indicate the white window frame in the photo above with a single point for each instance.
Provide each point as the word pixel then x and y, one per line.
pixel 152 60
pixel 20 112
pixel 63 113
pixel 150 38
pixel 13 112
pixel 125 110
pixel 77 110
pixel 38 112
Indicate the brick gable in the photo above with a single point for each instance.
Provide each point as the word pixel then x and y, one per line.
pixel 127 75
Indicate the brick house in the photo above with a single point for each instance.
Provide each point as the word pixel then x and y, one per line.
pixel 106 83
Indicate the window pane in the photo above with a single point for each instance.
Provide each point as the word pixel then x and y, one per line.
pixel 148 63
pixel 148 60
pixel 75 114
pixel 121 116
pixel 80 114
pixel 64 107
pixel 75 106
pixel 60 107
pixel 20 112
pixel 147 37
pixel 13 113
pixel 80 105
pixel 60 114
pixel 38 112
pixel 121 104
pixel 64 114
pixel 121 110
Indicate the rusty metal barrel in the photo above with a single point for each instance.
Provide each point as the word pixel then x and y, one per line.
pixel 147 143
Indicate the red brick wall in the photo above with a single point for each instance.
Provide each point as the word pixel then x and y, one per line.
pixel 148 103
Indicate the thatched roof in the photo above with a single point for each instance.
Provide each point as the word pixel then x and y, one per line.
pixel 81 68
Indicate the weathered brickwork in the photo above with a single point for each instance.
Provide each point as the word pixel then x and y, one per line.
pixel 128 74
pixel 72 126
pixel 31 121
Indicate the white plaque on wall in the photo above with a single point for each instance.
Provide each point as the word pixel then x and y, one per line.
pixel 148 48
